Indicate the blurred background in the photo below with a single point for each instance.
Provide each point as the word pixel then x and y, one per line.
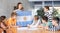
pixel 7 6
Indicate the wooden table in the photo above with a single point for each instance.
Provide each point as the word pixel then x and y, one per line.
pixel 34 30
pixel 28 30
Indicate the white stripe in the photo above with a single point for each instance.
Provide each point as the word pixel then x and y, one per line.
pixel 21 18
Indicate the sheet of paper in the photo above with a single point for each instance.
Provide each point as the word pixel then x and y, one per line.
pixel 33 28
pixel 22 28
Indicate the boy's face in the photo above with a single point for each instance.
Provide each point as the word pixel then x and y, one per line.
pixel 54 22
pixel 43 21
pixel 14 16
pixel 35 18
pixel 45 10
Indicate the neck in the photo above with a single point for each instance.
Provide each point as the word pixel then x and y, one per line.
pixel 45 22
pixel 19 8
pixel 46 10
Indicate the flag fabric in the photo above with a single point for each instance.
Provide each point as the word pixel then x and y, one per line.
pixel 24 18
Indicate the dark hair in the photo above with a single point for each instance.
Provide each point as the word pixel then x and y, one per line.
pixel 13 13
pixel 45 18
pixel 47 7
pixel 0 19
pixel 56 18
pixel 36 16
pixel 15 7
pixel 18 4
pixel 3 17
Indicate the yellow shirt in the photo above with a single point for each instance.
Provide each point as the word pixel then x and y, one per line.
pixel 12 22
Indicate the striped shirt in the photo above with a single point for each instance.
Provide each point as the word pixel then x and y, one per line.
pixel 49 15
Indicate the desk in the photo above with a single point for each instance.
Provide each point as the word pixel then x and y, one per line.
pixel 28 30
pixel 1 30
pixel 34 30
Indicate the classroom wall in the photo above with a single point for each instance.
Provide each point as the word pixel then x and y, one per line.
pixel 3 7
pixel 6 6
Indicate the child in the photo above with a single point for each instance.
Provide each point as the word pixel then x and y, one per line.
pixel 45 24
pixel 56 25
pixel 4 19
pixel 36 22
pixel 48 13
pixel 12 22
pixel 2 23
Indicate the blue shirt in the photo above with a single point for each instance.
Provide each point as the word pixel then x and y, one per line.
pixel 54 28
pixel 49 24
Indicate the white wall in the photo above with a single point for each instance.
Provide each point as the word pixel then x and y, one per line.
pixel 6 6
pixel 3 7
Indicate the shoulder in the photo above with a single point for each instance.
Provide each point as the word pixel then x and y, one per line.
pixel 49 23
pixel 15 10
pixel 9 19
pixel 50 11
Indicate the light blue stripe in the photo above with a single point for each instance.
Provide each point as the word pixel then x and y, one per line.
pixel 24 13
pixel 23 23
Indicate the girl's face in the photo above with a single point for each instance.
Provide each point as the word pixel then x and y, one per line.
pixel 45 10
pixel 35 18
pixel 43 21
pixel 20 6
pixel 54 22
pixel 14 17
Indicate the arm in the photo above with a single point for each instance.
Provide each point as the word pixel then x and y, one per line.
pixel 49 24
pixel 37 24
pixel 3 25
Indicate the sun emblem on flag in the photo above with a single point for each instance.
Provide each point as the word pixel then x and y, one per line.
pixel 25 18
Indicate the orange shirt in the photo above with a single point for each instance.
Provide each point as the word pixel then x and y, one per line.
pixel 11 21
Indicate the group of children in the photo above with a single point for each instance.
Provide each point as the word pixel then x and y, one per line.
pixel 54 25
pixel 37 23
pixel 46 22
pixel 6 24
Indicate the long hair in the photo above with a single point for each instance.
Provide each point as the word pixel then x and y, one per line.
pixel 18 4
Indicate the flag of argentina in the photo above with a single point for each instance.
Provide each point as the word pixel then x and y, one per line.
pixel 24 18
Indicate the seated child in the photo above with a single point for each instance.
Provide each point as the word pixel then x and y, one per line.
pixel 45 24
pixel 12 22
pixel 2 23
pixel 56 25
pixel 36 22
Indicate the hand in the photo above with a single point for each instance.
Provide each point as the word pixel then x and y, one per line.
pixel 40 26
pixel 46 27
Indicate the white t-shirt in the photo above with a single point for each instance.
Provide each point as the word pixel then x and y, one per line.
pixel 35 24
